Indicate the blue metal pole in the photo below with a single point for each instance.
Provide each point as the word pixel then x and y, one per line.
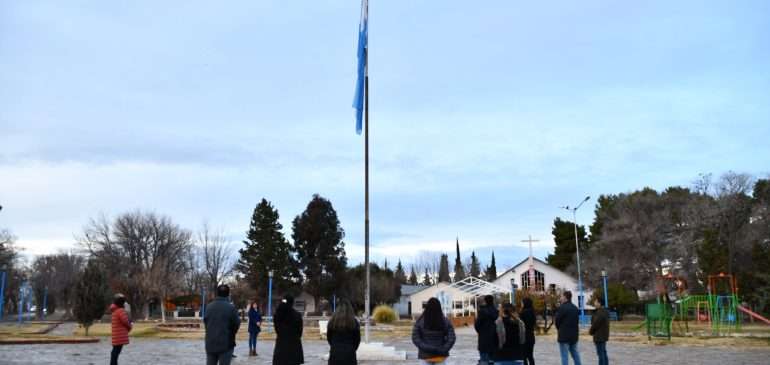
pixel 606 298
pixel 21 302
pixel 270 297
pixel 2 293
pixel 203 302
pixel 45 302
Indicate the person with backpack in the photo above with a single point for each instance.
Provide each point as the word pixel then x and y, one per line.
pixel 511 336
pixel 344 335
pixel 530 322
pixel 433 335
pixel 485 328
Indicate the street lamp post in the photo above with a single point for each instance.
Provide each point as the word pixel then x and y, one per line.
pixel 2 293
pixel 604 282
pixel 270 299
pixel 577 251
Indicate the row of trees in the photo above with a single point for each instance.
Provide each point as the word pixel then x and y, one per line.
pixel 715 226
pixel 434 267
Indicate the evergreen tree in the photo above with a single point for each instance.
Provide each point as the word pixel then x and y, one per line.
pixel 267 249
pixel 475 266
pixel 413 277
pixel 490 273
pixel 317 236
pixel 564 238
pixel 400 275
pixel 91 295
pixel 443 269
pixel 459 269
pixel 426 279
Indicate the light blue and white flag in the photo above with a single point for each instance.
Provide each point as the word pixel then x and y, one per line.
pixel 363 39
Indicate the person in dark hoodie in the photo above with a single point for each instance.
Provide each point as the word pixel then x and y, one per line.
pixel 600 329
pixel 222 323
pixel 567 322
pixel 344 335
pixel 288 330
pixel 511 337
pixel 121 326
pixel 530 322
pixel 485 327
pixel 433 334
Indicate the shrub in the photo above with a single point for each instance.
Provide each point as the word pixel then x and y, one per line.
pixel 384 314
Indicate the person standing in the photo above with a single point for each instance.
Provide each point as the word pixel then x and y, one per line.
pixel 255 324
pixel 288 330
pixel 600 329
pixel 567 323
pixel 121 326
pixel 510 331
pixel 530 323
pixel 344 335
pixel 485 328
pixel 433 335
pixel 222 323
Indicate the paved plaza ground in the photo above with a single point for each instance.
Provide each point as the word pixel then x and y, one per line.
pixel 179 352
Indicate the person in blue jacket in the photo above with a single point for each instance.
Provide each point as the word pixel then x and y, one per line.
pixel 255 322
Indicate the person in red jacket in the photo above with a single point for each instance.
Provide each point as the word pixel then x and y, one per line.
pixel 120 327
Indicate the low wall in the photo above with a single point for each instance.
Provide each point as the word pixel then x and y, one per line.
pixel 462 321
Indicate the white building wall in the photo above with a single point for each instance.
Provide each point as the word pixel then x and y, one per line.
pixel 552 276
pixel 421 297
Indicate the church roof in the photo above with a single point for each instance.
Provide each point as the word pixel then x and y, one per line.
pixel 514 267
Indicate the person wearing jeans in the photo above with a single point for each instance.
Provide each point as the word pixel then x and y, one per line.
pixel 600 329
pixel 566 322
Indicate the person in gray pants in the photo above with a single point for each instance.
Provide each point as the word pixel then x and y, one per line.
pixel 222 323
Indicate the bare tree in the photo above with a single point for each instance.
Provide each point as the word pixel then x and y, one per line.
pixel 216 257
pixel 428 262
pixel 143 251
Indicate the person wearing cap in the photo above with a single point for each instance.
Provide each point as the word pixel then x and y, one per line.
pixel 222 323
pixel 288 330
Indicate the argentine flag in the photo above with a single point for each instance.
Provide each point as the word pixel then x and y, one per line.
pixel 363 38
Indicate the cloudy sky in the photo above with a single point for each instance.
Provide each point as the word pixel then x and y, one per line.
pixel 486 116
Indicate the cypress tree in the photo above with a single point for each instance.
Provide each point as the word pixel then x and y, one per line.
pixel 475 266
pixel 459 269
pixel 413 277
pixel 491 271
pixel 443 269
pixel 400 275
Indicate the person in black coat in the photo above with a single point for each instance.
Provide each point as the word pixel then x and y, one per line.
pixel 222 323
pixel 485 327
pixel 530 323
pixel 288 330
pixel 433 334
pixel 344 335
pixel 510 337
pixel 567 322
pixel 600 329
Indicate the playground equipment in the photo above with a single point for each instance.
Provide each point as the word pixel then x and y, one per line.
pixel 719 308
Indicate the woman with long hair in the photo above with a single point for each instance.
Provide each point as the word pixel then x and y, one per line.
pixel 344 335
pixel 288 331
pixel 433 334
pixel 255 324
pixel 530 323
pixel 510 338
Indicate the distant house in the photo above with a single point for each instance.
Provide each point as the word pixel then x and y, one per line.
pixel 404 305
pixel 461 298
pixel 541 278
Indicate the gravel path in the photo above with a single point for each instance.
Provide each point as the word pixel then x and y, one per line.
pixel 178 352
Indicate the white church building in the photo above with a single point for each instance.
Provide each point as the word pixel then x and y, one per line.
pixel 461 298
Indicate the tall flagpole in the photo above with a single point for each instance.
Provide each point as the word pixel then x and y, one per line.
pixel 366 182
